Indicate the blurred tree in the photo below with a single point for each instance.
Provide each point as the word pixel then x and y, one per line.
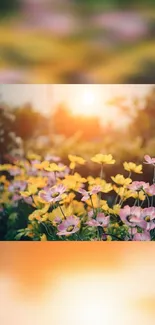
pixel 67 124
pixel 28 122
pixel 143 124
pixel 8 6
pixel 145 76
pixel 8 138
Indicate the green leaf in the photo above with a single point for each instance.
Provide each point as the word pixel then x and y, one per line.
pixel 19 235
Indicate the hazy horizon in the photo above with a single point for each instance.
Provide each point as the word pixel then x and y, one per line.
pixel 81 99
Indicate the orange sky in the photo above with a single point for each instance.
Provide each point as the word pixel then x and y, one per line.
pixel 55 282
pixel 81 99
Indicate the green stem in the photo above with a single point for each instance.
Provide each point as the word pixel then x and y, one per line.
pixel 101 173
pixel 92 205
pixel 148 201
pixel 152 198
pixel 62 211
pixel 48 233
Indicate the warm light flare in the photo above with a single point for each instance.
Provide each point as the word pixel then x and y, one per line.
pixel 86 102
pixel 79 288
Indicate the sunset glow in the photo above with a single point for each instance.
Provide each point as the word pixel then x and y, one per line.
pixel 66 283
pixel 87 102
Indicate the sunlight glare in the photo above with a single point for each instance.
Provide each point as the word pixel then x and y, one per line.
pixel 88 299
pixel 86 102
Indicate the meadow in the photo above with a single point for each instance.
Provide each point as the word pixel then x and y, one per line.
pixel 77 180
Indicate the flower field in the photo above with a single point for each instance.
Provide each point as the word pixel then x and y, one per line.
pixel 44 199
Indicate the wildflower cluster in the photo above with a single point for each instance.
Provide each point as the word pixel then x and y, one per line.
pixel 51 201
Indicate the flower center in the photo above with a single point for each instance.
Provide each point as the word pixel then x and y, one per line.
pixel 55 194
pixel 129 218
pixel 147 218
pixel 70 228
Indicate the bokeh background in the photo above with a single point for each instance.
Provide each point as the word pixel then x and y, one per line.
pixel 75 41
pixel 77 283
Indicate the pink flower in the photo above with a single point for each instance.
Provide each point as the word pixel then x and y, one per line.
pixel 14 171
pixel 148 215
pixel 144 236
pixel 151 190
pixel 17 186
pixel 100 220
pixel 35 162
pixel 149 160
pixel 137 186
pixel 68 226
pixel 53 194
pixel 50 176
pixel 63 173
pixel 16 197
pixel 49 157
pixel 31 170
pixel 57 220
pixel 131 216
pixel 132 231
pixel 86 194
pixel 28 200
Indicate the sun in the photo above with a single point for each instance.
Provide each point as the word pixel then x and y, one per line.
pixel 86 102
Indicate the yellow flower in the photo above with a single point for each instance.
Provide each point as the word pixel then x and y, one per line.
pixel 91 180
pixel 75 160
pixel 44 217
pixel 103 159
pixel 4 197
pixel 79 178
pixel 107 187
pixel 39 182
pixel 68 199
pixel 105 206
pixel 33 156
pixel 73 182
pixel 54 214
pixel 132 167
pixel 21 163
pixel 6 167
pixel 121 180
pixel 67 211
pixel 55 168
pixel 140 195
pixel 20 177
pixel 115 209
pixel 42 165
pixel 39 202
pixel 123 192
pixel 37 214
pixel 32 189
pixel 78 208
pixel 95 181
pixel 43 238
pixel 96 201
pixel 4 181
